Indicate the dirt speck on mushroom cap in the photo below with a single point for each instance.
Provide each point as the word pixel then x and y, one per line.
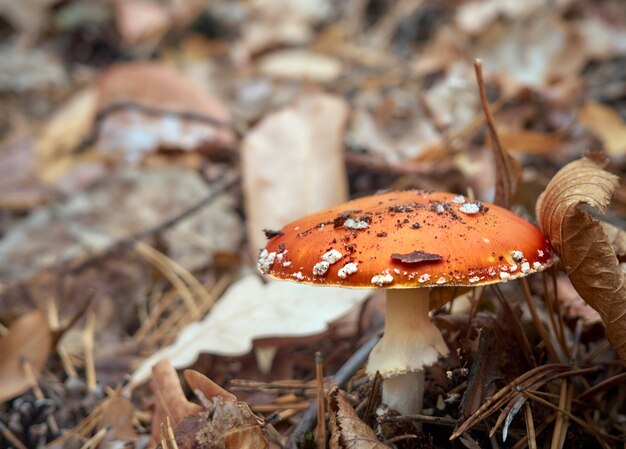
pixel 482 247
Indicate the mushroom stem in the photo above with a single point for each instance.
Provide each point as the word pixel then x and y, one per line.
pixel 411 342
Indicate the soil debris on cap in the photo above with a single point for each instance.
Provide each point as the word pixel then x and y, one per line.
pixel 270 234
pixel 416 257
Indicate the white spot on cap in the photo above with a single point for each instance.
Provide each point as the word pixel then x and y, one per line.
pixel 505 276
pixel 382 279
pixel 440 208
pixel 538 266
pixel 540 253
pixel 441 280
pixel 351 223
pixel 397 271
pixel 332 256
pixel 286 263
pixel 525 267
pixel 517 256
pixel 486 240
pixel 266 260
pixel 469 208
pixel 474 279
pixel 320 268
pixel 299 276
pixel 459 199
pixel 423 278
pixel 513 267
pixel 347 269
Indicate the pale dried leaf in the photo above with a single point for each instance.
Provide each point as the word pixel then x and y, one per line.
pixel 530 53
pixel 347 431
pixel 580 241
pixel 474 16
pixel 141 20
pixel 607 124
pixel 300 64
pixel 252 310
pixel 28 338
pixel 62 134
pixel 293 164
pixel 131 133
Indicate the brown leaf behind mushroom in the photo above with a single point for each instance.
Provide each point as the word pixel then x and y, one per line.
pixel 582 243
pixel 347 430
pixel 28 338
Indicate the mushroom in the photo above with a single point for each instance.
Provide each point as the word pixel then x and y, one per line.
pixel 403 242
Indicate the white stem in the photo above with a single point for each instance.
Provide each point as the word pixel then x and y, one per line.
pixel 411 387
pixel 410 343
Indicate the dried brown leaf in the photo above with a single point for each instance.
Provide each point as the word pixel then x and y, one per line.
pixel 347 430
pixel 582 243
pixel 118 413
pixel 222 422
pixel 28 338
pixel 170 400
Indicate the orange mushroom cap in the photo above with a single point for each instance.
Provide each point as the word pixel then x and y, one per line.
pixel 405 240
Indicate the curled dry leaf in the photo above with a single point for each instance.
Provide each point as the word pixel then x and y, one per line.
pixel 222 422
pixel 170 400
pixel 346 429
pixel 28 338
pixel 582 243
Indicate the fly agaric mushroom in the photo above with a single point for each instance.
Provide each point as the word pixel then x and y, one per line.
pixel 405 241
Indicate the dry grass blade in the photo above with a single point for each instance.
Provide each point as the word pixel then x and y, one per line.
pixel 88 342
pixel 321 409
pixel 598 388
pixel 530 380
pixel 95 440
pixel 171 270
pixel 10 436
pixel 602 438
pixel 530 426
pixel 539 327
pixel 565 403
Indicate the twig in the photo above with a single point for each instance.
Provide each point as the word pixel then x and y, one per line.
pixel 504 172
pixel 321 409
pixel 341 377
